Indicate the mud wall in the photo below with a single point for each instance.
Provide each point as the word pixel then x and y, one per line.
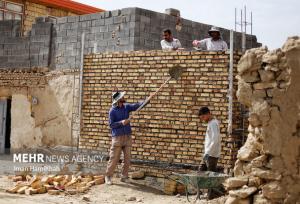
pixel 41 108
pixel 268 165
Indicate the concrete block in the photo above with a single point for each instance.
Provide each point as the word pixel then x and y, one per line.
pixel 116 12
pixel 98 22
pixel 95 29
pixel 109 21
pixel 72 19
pixel 128 11
pixel 96 16
pixel 40 19
pixel 117 19
pixel 104 28
pixel 72 32
pixel 85 17
pixel 107 14
pixel 62 20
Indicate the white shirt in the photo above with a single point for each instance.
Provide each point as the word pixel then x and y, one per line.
pixel 213 45
pixel 165 45
pixel 212 145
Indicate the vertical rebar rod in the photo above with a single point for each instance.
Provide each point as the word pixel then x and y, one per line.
pixel 230 88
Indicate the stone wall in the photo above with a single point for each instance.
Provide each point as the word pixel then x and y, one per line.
pixel 168 131
pixel 268 165
pixel 46 123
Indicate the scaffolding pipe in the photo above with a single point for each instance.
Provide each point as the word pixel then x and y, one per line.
pixel 230 88
pixel 80 86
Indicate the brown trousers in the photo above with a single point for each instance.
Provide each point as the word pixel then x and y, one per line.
pixel 119 144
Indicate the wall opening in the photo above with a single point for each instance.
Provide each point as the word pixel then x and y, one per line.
pixel 8 127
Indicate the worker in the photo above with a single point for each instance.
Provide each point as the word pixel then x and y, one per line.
pixel 212 145
pixel 121 135
pixel 214 43
pixel 170 43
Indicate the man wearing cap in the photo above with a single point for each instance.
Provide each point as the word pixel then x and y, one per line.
pixel 121 135
pixel 170 43
pixel 214 43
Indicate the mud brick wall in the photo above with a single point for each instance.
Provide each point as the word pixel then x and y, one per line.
pixel 168 129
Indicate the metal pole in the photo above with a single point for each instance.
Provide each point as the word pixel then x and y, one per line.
pixel 230 78
pixel 241 20
pixel 80 86
pixel 235 19
pixel 251 22
pixel 245 20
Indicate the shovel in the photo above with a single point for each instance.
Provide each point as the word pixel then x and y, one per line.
pixel 175 73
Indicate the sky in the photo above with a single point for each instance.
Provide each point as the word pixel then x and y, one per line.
pixel 273 20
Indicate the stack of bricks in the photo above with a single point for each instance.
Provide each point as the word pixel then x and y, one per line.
pixel 167 130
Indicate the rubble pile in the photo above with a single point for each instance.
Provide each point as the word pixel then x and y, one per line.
pixel 268 167
pixel 54 184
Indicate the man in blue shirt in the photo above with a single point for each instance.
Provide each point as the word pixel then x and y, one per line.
pixel 121 135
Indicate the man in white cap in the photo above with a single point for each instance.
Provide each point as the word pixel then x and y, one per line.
pixel 214 43
pixel 121 135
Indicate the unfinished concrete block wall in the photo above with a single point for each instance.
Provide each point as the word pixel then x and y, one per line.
pixel 57 43
pixel 27 51
pixel 268 165
pixel 168 130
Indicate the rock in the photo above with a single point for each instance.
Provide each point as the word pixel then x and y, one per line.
pixel 137 175
pixel 248 62
pixel 236 200
pixel 86 198
pixel 131 198
pixel 265 174
pixel 254 181
pixel 266 76
pixel 250 150
pixel 259 199
pixel 291 43
pixel 254 120
pixel 259 94
pixel 250 77
pixel 272 57
pixel 244 92
pixel 139 200
pixel 238 168
pixel 236 182
pixel 259 161
pixel 178 195
pixel 273 191
pixel 243 192
pixel 264 85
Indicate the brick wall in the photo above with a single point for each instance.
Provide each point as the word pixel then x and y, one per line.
pixel 168 130
pixel 33 10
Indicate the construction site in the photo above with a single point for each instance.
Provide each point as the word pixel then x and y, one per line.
pixel 60 63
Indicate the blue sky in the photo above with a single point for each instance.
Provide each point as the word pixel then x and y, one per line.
pixel 273 20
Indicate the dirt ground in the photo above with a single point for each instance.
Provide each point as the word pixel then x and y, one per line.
pixel 118 193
